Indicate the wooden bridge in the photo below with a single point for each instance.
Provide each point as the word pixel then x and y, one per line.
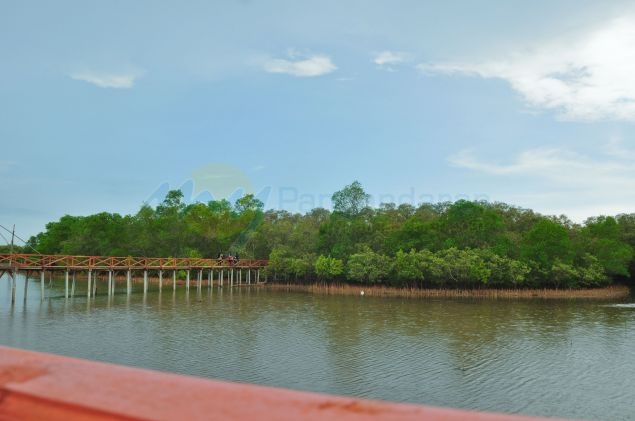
pixel 231 270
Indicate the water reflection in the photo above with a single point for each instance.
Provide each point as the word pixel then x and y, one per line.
pixel 564 358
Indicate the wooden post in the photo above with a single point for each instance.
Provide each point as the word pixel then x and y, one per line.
pixel 231 279
pixel 210 278
pixel 160 279
pixel 187 281
pixel 129 282
pixel 66 284
pixel 199 280
pixel 95 283
pixel 240 276
pixel 248 276
pixel 114 281
pixel 73 287
pixel 174 280
pixel 41 283
pixel 222 272
pixel 145 281
pixel 26 284
pixel 14 278
pixel 257 276
pixel 90 273
pixel 109 283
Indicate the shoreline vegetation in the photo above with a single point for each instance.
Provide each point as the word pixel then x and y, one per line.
pixel 609 292
pixel 450 246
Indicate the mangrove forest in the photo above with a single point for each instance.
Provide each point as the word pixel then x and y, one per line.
pixel 462 244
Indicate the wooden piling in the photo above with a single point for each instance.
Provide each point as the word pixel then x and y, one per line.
pixel 89 282
pixel 26 284
pixel 14 278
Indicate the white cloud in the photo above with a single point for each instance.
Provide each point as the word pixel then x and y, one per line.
pixel 562 181
pixel 587 79
pixel 387 59
pixel 316 65
pixel 565 167
pixel 107 80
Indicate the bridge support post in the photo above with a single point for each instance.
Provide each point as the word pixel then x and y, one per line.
pixel 90 273
pixel 14 279
pixel 160 279
pixel 248 276
pixel 257 276
pixel 26 284
pixel 222 272
pixel 145 281
pixel 199 280
pixel 174 280
pixel 129 282
pixel 95 278
pixel 42 274
pixel 240 276
pixel 210 278
pixel 73 286
pixel 66 284
pixel 109 283
pixel 187 281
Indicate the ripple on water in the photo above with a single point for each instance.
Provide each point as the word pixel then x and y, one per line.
pixel 572 360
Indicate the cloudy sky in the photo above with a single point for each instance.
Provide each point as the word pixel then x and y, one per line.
pixel 107 104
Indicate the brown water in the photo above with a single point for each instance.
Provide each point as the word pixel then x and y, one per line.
pixel 572 359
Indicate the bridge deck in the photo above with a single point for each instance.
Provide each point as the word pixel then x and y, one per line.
pixel 65 262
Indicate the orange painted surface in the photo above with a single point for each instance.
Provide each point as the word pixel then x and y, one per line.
pixel 36 386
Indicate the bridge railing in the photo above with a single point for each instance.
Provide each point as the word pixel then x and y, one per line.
pixel 60 262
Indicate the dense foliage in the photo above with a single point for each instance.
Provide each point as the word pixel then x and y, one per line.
pixel 454 245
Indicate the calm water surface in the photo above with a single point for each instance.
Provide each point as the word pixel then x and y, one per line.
pixel 572 359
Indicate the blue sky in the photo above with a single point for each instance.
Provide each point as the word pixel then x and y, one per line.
pixel 105 104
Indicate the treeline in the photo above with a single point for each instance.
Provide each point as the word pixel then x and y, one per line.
pixel 457 245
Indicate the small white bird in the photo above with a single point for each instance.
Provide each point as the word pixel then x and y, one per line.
pixel 361 292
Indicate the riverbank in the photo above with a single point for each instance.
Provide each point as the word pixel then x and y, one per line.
pixel 610 292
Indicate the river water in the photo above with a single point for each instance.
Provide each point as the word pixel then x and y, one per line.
pixel 566 358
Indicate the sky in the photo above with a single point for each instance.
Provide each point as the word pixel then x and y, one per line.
pixel 105 105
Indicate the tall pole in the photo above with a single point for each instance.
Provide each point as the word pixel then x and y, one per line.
pixel 14 277
pixel 12 239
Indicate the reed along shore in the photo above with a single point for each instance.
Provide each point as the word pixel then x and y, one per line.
pixel 610 292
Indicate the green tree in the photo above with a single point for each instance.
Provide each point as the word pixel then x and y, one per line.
pixel 350 200
pixel 368 266
pixel 328 268
pixel 546 242
pixel 601 237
